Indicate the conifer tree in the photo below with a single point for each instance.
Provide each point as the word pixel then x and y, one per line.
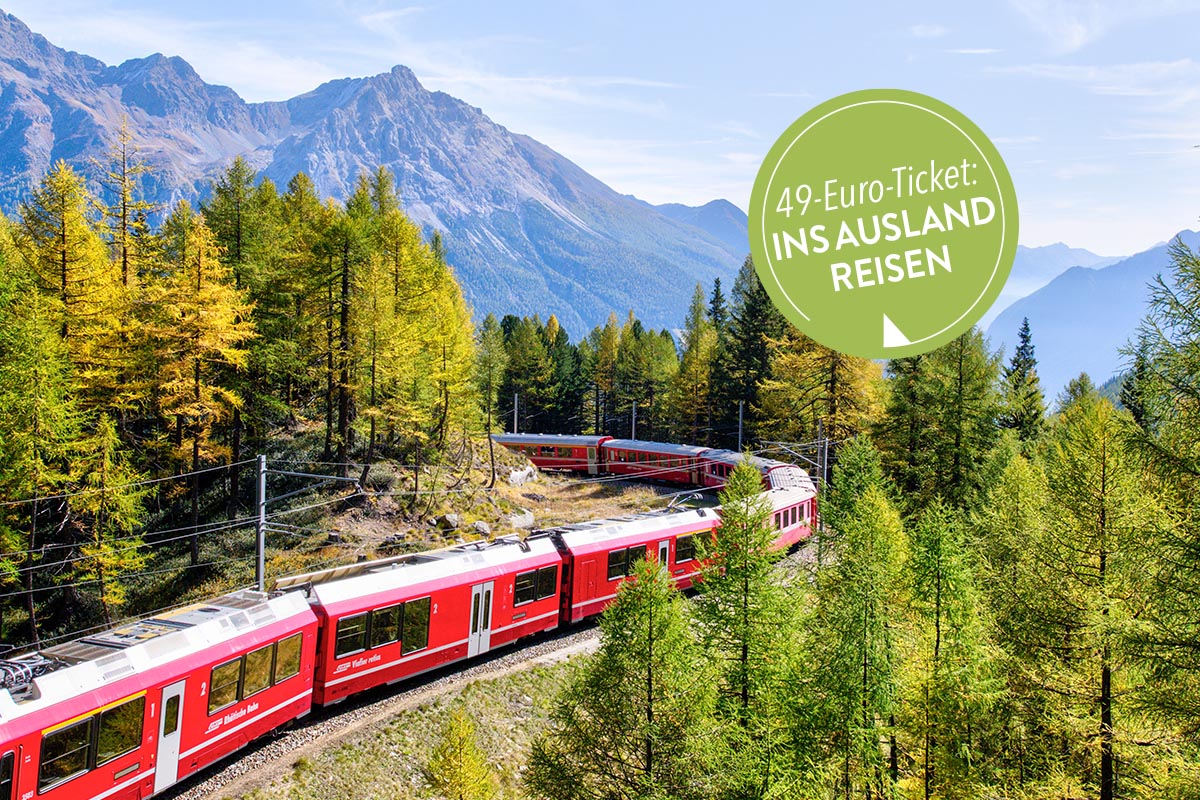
pixel 59 239
pixel 457 768
pixel 746 619
pixel 690 389
pixel 754 322
pixel 126 212
pixel 952 685
pixel 637 720
pixel 110 504
pixel 202 327
pixel 1093 558
pixel 528 377
pixel 491 361
pixel 39 425
pixel 845 695
pixel 1168 440
pixel 718 371
pixel 814 392
pixel 566 389
pixel 940 416
pixel 1022 404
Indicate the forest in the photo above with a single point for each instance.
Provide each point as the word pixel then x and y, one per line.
pixel 1001 601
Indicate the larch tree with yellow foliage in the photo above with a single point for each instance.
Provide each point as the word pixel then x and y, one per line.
pixel 202 327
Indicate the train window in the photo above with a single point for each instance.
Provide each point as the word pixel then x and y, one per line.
pixel 351 635
pixel 636 553
pixel 547 580
pixel 525 588
pixel 65 754
pixel 795 514
pixel 287 658
pixel 121 730
pixel 171 715
pixel 564 452
pixel 6 777
pixel 258 670
pixel 804 512
pixel 616 564
pixel 385 625
pixel 685 549
pixel 416 626
pixel 223 685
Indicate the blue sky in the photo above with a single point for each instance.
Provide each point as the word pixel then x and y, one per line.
pixel 1095 106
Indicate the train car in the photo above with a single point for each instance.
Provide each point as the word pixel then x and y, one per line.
pixel 546 451
pixel 394 618
pixel 718 464
pixel 127 713
pixel 793 514
pixel 602 553
pixel 677 463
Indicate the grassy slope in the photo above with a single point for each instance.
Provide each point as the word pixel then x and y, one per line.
pixel 386 762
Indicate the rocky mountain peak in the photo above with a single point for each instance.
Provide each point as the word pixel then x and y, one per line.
pixel 528 231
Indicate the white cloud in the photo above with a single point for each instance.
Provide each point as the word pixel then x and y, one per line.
pixel 975 51
pixel 1168 85
pixel 926 31
pixel 1069 25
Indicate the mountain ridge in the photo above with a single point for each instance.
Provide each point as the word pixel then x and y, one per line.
pixel 528 230
pixel 1082 317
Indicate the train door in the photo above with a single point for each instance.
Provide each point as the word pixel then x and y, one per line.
pixel 8 766
pixel 664 552
pixel 481 619
pixel 166 765
pixel 593 467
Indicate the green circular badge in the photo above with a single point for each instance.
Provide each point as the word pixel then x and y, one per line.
pixel 883 223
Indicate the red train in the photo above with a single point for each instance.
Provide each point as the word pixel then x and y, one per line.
pixel 674 463
pixel 129 712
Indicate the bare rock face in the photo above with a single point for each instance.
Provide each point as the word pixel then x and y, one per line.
pixel 527 230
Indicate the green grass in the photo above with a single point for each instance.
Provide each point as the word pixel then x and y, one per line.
pixel 387 761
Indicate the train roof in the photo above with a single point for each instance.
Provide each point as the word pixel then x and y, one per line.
pixel 369 578
pixel 583 537
pixel 547 439
pixel 35 680
pixel 656 447
pixel 783 497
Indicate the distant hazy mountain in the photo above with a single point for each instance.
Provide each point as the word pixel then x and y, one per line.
pixel 1034 267
pixel 528 230
pixel 721 218
pixel 1084 316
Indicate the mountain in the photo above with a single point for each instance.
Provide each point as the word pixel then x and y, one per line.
pixel 527 230
pixel 721 218
pixel 1083 317
pixel 1034 267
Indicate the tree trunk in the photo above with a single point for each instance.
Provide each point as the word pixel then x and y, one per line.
pixel 30 605
pixel 491 444
pixel 343 429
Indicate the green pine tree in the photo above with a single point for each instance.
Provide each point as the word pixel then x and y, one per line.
pixel 638 720
pixel 457 768
pixel 747 618
pixel 1022 407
